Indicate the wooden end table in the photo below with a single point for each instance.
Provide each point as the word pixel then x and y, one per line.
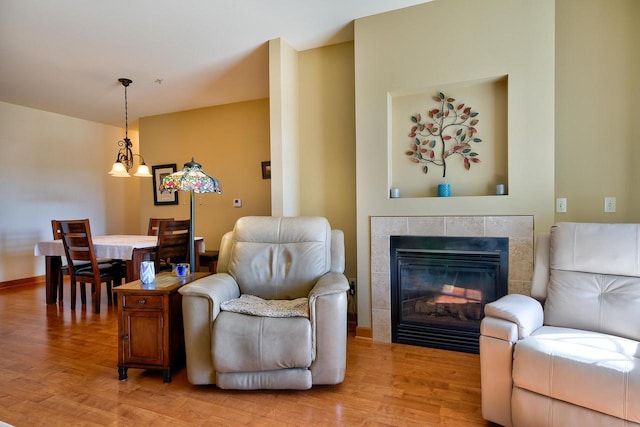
pixel 151 334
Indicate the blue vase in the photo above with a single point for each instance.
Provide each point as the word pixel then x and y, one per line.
pixel 444 190
pixel 147 272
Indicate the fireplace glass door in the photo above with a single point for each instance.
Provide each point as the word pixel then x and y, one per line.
pixel 438 295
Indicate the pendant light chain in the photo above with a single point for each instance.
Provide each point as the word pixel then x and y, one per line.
pixel 126 115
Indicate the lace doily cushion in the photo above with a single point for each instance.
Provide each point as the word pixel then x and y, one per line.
pixel 255 306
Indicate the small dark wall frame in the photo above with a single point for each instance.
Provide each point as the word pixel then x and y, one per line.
pixel 266 170
pixel 163 198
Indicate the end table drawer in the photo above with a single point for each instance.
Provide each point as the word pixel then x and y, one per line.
pixel 142 301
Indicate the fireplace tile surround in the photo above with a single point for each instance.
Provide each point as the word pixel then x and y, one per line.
pixel 518 228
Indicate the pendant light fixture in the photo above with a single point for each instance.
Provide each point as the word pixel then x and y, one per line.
pixel 124 159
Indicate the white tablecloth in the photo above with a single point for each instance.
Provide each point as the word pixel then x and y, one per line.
pixel 115 246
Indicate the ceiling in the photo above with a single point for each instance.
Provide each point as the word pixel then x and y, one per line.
pixel 66 56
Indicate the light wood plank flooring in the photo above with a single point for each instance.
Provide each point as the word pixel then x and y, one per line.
pixel 58 367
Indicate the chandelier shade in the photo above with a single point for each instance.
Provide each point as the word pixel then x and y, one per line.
pixel 143 170
pixel 118 170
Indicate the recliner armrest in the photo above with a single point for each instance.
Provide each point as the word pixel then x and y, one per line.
pixel 328 316
pixel 522 310
pixel 330 283
pixel 218 288
pixel 500 329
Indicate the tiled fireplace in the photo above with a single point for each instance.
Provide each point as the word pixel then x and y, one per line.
pixel 518 229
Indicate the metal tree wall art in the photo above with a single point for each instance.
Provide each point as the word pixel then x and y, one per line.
pixel 448 131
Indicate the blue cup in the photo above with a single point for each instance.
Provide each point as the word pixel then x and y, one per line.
pixel 181 269
pixel 444 190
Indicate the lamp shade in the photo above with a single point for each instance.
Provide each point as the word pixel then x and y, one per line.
pixel 118 170
pixel 143 170
pixel 191 178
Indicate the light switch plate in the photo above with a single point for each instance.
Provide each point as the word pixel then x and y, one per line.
pixel 237 203
pixel 561 205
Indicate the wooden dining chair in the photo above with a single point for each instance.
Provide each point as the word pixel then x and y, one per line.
pixel 78 246
pixel 153 225
pixel 64 269
pixel 173 242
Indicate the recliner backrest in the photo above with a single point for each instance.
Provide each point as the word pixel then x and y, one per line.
pixel 596 248
pixel 277 257
pixel 594 278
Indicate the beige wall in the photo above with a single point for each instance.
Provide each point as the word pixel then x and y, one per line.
pixel 327 140
pixel 595 55
pixel 447 42
pixel 597 102
pixel 55 167
pixel 634 200
pixel 230 142
pixel 285 136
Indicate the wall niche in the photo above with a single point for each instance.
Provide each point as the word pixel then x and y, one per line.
pixel 484 101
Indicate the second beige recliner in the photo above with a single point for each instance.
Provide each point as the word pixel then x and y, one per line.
pixel 278 260
pixel 569 355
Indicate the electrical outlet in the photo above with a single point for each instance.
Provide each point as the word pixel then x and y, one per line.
pixel 561 205
pixel 237 203
pixel 609 204
pixel 352 286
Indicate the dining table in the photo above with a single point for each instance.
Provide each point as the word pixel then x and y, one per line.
pixel 132 249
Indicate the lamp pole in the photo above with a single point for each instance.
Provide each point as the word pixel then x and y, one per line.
pixel 192 237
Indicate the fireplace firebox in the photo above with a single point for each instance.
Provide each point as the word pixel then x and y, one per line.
pixel 439 286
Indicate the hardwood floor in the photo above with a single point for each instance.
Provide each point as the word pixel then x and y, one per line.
pixel 58 367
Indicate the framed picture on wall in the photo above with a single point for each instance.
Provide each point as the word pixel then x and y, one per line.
pixel 163 198
pixel 266 170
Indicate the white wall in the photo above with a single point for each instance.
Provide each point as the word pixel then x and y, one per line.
pixel 55 167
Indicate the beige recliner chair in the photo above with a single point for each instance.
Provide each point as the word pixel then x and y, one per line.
pixel 569 356
pixel 275 314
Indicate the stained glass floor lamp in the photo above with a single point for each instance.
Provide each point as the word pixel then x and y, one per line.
pixel 191 179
